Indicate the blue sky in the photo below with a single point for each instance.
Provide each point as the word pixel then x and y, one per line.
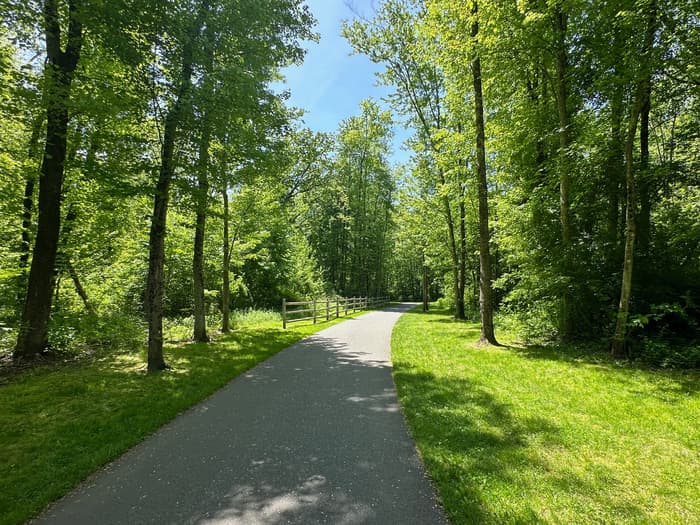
pixel 332 82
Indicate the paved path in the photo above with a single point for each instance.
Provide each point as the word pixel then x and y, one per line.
pixel 312 435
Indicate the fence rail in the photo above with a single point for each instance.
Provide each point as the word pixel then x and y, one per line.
pixel 326 308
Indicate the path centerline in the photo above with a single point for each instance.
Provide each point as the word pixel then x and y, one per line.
pixel 313 434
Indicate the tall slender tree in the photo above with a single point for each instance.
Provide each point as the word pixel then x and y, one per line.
pixel 642 90
pixel 485 273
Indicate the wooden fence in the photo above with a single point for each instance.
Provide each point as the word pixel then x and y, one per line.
pixel 327 308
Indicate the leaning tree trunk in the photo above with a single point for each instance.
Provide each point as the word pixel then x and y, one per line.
pixel 618 342
pixel 200 318
pixel 79 288
pixel 226 286
pixel 485 275
pixel 156 242
pixel 60 66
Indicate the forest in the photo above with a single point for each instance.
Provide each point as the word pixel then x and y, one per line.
pixel 152 176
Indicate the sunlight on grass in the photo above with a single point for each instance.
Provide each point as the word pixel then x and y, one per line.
pixel 59 424
pixel 532 435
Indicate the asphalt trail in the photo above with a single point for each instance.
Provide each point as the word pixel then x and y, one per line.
pixel 312 435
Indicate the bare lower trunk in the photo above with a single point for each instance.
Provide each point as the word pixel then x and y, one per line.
pixel 618 342
pixel 226 290
pixel 33 333
pixel 485 276
pixel 461 308
pixel 200 318
pixel 453 249
pixel 156 256
pixel 424 287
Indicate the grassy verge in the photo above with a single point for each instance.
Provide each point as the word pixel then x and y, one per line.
pixel 58 424
pixel 533 435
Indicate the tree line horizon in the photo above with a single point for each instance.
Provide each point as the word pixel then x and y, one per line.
pixel 151 172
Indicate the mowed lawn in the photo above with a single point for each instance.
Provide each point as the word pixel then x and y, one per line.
pixel 533 435
pixel 58 424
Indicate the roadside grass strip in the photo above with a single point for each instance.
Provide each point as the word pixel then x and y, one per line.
pixel 539 435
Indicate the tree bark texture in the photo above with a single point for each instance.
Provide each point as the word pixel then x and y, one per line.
pixel 200 318
pixel 60 66
pixel 485 274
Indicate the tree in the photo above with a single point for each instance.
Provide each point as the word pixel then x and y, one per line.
pixel 392 38
pixel 59 70
pixel 350 216
pixel 485 278
pixel 269 41
pixel 639 105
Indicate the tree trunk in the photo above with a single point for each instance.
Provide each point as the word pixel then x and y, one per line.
pixel 453 246
pixel 644 183
pixel 562 96
pixel 618 342
pixel 60 66
pixel 79 288
pixel 461 310
pixel 200 318
pixel 156 242
pixel 226 287
pixel 27 209
pixel 485 275
pixel 615 168
pixel 425 291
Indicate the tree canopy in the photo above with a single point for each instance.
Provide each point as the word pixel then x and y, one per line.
pixel 149 171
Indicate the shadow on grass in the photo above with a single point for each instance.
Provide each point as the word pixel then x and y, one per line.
pixel 58 424
pixel 482 457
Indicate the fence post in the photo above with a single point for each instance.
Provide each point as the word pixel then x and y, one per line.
pixel 284 314
pixel 337 308
pixel 328 309
pixel 314 311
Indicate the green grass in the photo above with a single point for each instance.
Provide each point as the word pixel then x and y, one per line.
pixel 60 423
pixel 538 435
